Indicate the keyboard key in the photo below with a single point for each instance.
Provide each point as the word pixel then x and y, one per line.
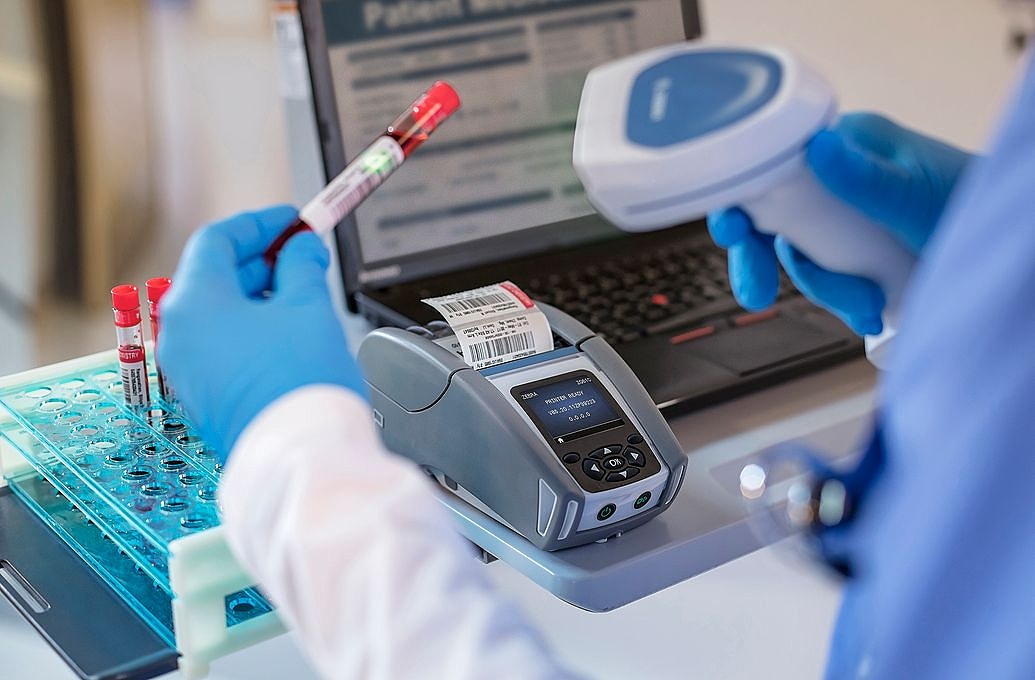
pixel 692 316
pixel 696 333
pixel 748 319
pixel 667 290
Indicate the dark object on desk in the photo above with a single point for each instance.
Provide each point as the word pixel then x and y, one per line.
pixel 61 597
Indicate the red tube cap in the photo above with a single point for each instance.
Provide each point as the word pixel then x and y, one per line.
pixel 434 106
pixel 157 287
pixel 125 298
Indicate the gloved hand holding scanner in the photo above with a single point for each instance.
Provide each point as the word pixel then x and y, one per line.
pixel 898 178
pixel 704 128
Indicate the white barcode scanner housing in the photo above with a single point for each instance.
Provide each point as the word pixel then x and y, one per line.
pixel 561 448
pixel 666 136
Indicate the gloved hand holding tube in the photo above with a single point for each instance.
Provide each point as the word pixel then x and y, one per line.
pixel 217 307
pixel 228 267
pixel 898 178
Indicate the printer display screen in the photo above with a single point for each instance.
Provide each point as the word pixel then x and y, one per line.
pixel 570 408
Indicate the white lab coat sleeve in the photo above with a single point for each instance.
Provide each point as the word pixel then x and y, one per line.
pixel 350 544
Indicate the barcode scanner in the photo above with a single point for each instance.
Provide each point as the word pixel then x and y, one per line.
pixel 666 136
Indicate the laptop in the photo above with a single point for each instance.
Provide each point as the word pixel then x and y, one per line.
pixel 493 196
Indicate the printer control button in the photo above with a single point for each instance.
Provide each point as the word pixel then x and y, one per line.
pixel 571 458
pixel 627 473
pixel 635 457
pixel 634 439
pixel 613 463
pixel 592 468
pixel 605 451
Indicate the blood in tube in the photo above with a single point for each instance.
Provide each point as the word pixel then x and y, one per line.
pixel 156 288
pixel 125 302
pixel 372 166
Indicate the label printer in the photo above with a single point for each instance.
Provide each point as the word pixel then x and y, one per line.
pixel 564 447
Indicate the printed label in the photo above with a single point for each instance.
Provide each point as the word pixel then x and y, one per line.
pixel 131 354
pixel 508 344
pixel 365 173
pixel 134 375
pixel 494 324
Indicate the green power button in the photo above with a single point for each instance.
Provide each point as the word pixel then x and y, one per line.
pixel 606 511
pixel 642 500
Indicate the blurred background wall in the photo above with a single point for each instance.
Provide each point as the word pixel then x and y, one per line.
pixel 22 205
pixel 125 124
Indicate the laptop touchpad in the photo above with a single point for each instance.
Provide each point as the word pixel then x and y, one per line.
pixel 763 345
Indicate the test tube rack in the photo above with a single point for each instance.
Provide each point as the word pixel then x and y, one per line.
pixel 133 492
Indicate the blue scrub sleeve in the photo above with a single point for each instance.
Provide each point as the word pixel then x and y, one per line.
pixel 944 546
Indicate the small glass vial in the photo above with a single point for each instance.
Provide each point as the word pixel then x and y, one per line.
pixel 125 302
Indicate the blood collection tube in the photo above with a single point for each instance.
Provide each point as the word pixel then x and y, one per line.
pixel 125 302
pixel 156 288
pixel 372 166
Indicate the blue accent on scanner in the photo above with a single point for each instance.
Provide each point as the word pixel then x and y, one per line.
pixel 692 95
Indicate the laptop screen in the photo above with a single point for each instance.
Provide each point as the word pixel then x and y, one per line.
pixel 496 178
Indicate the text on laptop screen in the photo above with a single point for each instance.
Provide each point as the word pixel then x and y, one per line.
pixel 503 163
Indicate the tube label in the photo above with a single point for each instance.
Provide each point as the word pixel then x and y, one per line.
pixel 134 375
pixel 358 180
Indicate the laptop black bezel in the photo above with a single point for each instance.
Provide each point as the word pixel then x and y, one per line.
pixel 332 153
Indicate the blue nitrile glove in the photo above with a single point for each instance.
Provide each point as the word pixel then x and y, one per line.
pixel 895 176
pixel 228 349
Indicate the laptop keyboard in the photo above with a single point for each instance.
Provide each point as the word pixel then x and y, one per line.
pixel 649 293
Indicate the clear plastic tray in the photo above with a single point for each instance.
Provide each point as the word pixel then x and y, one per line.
pixel 118 484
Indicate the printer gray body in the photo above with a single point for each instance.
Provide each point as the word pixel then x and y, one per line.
pixel 469 429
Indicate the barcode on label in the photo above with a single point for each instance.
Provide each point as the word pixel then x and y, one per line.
pixel 474 302
pixel 134 383
pixel 340 206
pixel 490 349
